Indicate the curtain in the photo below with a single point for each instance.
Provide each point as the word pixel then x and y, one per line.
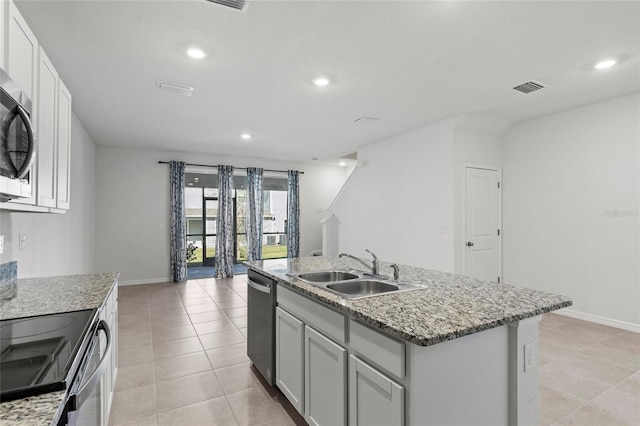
pixel 254 213
pixel 224 238
pixel 293 221
pixel 178 230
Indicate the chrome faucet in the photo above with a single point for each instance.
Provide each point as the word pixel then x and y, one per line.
pixel 374 262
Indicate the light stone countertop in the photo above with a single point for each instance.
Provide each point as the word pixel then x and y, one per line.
pixel 41 296
pixel 449 306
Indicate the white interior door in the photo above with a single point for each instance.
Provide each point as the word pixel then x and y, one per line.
pixel 482 224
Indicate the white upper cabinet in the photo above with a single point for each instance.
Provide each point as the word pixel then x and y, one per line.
pixel 28 65
pixel 21 57
pixel 64 146
pixel 47 131
pixel 2 35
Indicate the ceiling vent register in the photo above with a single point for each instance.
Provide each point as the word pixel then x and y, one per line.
pixel 233 4
pixel 528 87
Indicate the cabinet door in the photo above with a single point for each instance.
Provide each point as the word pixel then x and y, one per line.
pixel 21 63
pixel 289 357
pixel 64 147
pixel 47 131
pixel 325 380
pixel 374 399
pixel 22 51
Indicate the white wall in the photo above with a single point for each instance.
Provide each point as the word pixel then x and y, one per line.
pixel 396 204
pixel 132 214
pixel 58 244
pixel 571 198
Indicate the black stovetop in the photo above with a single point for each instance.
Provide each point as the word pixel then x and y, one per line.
pixel 37 354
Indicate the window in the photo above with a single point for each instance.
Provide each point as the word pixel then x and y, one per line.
pixel 201 203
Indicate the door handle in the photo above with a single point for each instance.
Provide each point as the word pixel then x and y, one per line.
pixel 469 244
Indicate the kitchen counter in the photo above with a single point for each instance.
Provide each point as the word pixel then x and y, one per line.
pixel 450 305
pixel 41 296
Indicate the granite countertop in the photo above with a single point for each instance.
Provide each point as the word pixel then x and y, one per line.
pixel 449 306
pixel 41 296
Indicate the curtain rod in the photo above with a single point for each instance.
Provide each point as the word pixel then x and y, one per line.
pixel 239 168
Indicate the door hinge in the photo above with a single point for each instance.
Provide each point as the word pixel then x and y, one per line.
pixel 498 185
pixel 498 280
pixel 498 232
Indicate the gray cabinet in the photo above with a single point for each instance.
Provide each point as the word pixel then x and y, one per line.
pixel 374 399
pixel 325 380
pixel 289 357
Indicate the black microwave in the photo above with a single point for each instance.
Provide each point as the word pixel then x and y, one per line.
pixel 18 141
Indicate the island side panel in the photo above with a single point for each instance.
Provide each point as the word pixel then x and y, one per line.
pixel 463 381
pixel 523 372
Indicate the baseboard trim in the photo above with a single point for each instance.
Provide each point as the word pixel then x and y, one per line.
pixel 629 326
pixel 147 281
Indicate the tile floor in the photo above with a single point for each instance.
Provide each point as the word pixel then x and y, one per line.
pixel 183 362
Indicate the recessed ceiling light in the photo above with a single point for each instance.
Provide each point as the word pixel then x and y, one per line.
pixel 342 163
pixel 321 81
pixel 607 63
pixel 196 53
pixel 245 136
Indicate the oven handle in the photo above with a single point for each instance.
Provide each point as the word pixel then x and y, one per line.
pixel 260 287
pixel 83 393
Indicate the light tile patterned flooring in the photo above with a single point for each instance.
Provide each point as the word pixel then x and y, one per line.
pixel 183 362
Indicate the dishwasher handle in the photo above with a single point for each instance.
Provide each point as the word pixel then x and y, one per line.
pixel 264 288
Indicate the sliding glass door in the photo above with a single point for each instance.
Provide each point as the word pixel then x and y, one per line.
pixel 201 202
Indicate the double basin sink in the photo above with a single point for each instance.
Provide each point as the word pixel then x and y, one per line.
pixel 352 284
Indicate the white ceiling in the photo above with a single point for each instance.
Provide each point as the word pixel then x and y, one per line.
pixel 406 63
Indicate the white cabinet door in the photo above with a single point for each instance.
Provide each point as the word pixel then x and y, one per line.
pixel 21 63
pixel 64 147
pixel 47 131
pixel 325 380
pixel 289 357
pixel 3 26
pixel 22 51
pixel 374 399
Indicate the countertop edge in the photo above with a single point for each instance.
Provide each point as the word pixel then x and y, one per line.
pixel 392 331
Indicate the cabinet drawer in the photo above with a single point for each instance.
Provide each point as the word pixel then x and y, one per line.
pixel 323 319
pixel 388 353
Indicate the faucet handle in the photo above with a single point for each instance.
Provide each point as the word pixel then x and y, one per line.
pixel 396 271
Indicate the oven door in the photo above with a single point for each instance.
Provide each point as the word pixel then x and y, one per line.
pixel 84 405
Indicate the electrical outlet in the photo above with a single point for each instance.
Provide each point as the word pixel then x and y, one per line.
pixel 140 261
pixel 22 241
pixel 529 356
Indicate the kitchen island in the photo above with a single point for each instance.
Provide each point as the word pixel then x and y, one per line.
pixel 49 295
pixel 456 351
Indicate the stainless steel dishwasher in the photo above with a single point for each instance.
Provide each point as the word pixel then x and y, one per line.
pixel 261 324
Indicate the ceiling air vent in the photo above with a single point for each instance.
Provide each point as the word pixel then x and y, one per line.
pixel 175 89
pixel 365 119
pixel 528 87
pixel 233 4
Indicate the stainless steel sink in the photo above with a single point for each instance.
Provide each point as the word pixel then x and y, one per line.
pixel 328 276
pixel 353 284
pixel 363 287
